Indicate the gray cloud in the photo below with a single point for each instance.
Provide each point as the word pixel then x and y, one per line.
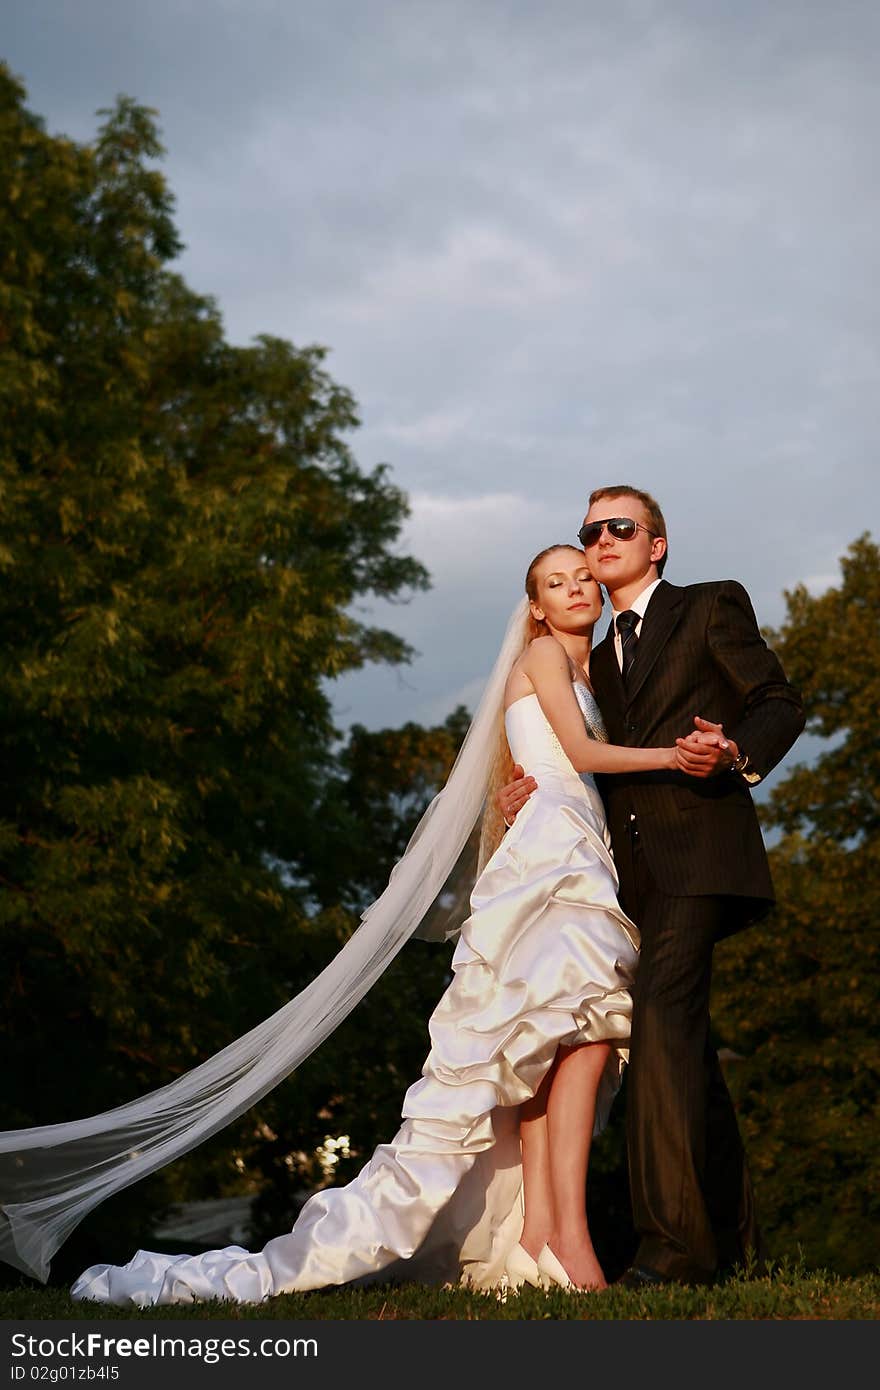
pixel 549 246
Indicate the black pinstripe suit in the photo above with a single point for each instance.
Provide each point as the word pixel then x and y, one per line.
pixel 692 868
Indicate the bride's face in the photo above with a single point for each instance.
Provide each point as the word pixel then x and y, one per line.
pixel 568 597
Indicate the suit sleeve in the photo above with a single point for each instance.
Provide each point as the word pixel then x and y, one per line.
pixel 773 714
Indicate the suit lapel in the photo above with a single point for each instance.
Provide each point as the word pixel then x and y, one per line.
pixel 660 620
pixel 605 676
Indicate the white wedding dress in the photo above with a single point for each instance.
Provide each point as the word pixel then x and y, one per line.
pixel 547 958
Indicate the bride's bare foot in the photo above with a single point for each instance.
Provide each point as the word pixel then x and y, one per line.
pixel 581 1266
pixel 532 1247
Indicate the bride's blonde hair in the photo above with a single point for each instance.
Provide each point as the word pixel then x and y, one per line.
pixel 492 826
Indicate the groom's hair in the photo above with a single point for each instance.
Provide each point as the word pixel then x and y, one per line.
pixel 652 507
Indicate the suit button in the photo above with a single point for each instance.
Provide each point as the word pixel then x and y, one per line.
pixel 632 728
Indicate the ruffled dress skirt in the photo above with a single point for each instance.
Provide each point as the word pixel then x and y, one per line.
pixel 546 959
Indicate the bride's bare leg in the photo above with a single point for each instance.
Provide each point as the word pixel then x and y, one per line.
pixel 537 1192
pixel 571 1113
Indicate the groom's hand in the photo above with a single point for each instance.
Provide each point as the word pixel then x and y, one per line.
pixel 706 751
pixel 513 797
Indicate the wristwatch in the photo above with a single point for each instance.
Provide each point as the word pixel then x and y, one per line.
pixel 740 764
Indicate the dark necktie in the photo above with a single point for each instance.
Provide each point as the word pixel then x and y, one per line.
pixel 626 629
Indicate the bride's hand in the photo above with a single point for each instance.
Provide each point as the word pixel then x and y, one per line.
pixel 513 796
pixel 707 751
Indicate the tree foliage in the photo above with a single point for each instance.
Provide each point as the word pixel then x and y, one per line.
pixel 183 532
pixel 799 996
pixel 383 782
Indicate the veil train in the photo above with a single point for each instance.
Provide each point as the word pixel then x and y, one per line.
pixel 51 1176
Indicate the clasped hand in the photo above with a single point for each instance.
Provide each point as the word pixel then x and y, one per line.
pixel 706 751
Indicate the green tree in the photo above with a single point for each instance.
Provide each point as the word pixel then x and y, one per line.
pixel 183 532
pixel 382 783
pixel 799 995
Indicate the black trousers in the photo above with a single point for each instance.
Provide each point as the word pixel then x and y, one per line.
pixel 692 1199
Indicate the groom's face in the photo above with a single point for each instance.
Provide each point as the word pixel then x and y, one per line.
pixel 615 563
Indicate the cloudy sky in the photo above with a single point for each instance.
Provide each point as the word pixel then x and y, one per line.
pixel 550 246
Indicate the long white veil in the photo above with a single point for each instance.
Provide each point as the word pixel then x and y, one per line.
pixel 52 1176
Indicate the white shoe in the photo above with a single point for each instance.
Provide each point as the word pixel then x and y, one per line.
pixel 552 1269
pixel 522 1268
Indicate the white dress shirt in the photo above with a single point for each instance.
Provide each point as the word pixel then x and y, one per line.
pixel 639 606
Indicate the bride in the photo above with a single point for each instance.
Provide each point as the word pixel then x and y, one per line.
pixel 485 1179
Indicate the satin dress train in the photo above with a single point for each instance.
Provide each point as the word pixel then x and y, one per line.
pixel 547 958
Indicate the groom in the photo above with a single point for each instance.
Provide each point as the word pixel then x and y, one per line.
pixel 692 868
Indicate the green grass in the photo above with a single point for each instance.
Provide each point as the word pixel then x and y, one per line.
pixel 789 1292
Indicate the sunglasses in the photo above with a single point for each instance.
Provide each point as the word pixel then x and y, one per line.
pixel 622 528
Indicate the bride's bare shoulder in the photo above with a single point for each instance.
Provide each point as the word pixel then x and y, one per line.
pixel 544 651
pixel 543 655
